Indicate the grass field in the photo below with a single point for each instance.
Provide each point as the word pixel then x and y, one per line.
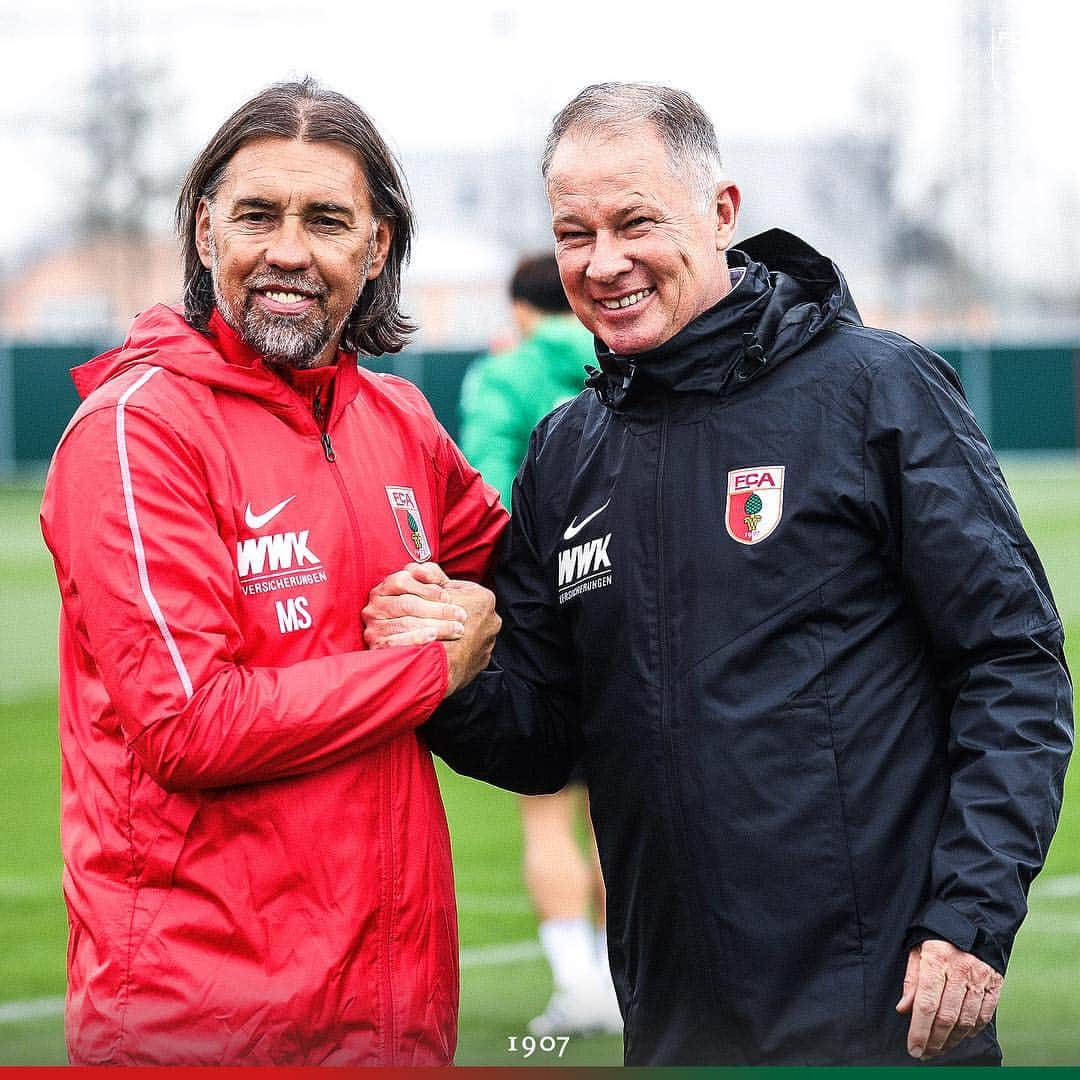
pixel 504 981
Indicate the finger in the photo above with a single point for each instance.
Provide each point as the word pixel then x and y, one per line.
pixel 410 637
pixel 924 1006
pixel 437 630
pixel 429 572
pixel 403 582
pixel 989 1002
pixel 948 1014
pixel 911 980
pixel 967 1022
pixel 381 608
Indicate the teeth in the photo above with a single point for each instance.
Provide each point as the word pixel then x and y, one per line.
pixel 286 297
pixel 626 301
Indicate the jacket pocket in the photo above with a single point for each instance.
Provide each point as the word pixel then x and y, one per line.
pixel 762 799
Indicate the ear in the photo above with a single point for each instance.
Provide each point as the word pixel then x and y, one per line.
pixel 384 233
pixel 202 232
pixel 727 211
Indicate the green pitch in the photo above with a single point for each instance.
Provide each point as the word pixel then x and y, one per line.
pixel 504 981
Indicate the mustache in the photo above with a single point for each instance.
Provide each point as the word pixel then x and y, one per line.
pixel 286 282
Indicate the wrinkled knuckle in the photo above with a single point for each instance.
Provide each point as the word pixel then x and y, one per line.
pixel 925 1005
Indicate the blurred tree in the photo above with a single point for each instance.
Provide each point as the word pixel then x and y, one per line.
pixel 900 224
pixel 127 105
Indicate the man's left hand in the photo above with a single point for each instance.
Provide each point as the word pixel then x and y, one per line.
pixel 950 994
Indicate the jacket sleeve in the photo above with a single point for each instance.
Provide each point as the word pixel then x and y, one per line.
pixel 947 522
pixel 471 520
pixel 516 724
pixel 149 589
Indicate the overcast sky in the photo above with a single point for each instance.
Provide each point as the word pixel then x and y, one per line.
pixel 486 73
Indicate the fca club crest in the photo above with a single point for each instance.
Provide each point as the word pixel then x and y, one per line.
pixel 410 525
pixel 755 501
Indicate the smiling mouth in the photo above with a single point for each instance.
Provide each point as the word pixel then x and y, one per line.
pixel 626 301
pixel 284 301
pixel 287 297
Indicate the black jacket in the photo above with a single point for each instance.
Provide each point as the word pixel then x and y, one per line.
pixel 810 745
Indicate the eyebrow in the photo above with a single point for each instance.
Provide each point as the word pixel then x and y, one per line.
pixel 254 202
pixel 330 208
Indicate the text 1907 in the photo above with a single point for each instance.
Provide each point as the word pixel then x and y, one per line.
pixel 527 1045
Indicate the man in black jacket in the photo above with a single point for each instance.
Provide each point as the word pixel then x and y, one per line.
pixel 765 577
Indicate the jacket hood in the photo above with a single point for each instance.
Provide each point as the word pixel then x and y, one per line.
pixel 160 336
pixel 786 296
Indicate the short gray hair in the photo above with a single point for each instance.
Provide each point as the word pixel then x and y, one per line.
pixel 681 123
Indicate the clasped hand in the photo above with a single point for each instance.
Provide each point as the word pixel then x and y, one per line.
pixel 420 604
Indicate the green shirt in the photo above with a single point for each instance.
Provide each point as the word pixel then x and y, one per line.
pixel 504 396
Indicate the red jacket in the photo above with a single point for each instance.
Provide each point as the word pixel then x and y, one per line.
pixel 257 860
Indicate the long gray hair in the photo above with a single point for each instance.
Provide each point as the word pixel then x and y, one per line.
pixel 303 110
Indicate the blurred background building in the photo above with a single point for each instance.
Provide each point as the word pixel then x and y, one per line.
pixel 928 152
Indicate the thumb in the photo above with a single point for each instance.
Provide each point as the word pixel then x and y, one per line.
pixel 911 981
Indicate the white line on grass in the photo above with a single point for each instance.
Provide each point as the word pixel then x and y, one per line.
pixel 1052 924
pixel 13 887
pixel 1059 885
pixel 511 952
pixel 470 904
pixel 489 955
pixel 18 1012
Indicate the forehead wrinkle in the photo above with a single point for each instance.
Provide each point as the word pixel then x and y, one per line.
pixel 257 171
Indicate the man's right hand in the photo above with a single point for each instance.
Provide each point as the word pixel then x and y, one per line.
pixel 421 604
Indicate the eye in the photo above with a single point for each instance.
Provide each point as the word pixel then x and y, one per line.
pixel 255 219
pixel 328 224
pixel 639 222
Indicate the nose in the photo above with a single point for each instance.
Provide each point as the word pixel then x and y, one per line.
pixel 288 247
pixel 608 260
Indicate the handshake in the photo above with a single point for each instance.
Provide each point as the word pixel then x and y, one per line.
pixel 420 604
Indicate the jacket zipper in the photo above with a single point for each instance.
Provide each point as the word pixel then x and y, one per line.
pixel 678 822
pixel 387 855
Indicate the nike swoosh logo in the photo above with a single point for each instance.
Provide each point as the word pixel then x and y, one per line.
pixel 575 526
pixel 257 521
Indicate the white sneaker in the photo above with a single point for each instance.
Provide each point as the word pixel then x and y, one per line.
pixel 580 1010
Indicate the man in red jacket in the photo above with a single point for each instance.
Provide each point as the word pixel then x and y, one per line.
pixel 257 866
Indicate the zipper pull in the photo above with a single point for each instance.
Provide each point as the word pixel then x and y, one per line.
pixel 328 447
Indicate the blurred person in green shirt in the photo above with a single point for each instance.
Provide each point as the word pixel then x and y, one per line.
pixel 503 396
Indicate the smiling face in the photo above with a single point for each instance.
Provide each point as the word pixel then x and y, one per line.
pixel 640 253
pixel 290 241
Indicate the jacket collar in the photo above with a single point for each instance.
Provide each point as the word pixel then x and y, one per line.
pixel 769 314
pixel 702 354
pixel 218 357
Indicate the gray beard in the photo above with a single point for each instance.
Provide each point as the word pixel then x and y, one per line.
pixel 284 341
